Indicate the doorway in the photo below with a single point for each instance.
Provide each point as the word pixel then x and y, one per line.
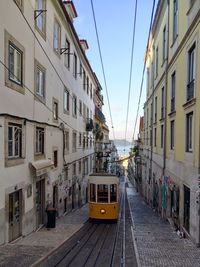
pixel 55 198
pixel 186 218
pixel 40 202
pixel 15 215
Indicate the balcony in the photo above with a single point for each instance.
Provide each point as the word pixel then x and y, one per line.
pixel 99 115
pixel 89 125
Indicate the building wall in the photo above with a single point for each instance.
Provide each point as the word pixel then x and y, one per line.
pixel 22 106
pixel 174 169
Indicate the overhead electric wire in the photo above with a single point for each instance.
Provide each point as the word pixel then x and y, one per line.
pixel 102 65
pixel 141 86
pixel 131 68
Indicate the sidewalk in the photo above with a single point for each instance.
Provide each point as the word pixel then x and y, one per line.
pixel 157 243
pixel 27 250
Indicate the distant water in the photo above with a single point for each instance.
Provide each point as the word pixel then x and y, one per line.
pixel 123 150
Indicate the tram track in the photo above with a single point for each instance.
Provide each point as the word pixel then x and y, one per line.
pixel 98 244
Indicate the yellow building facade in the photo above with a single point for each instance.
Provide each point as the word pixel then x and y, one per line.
pixel 172 115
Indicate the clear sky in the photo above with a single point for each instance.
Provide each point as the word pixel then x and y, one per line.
pixel 115 26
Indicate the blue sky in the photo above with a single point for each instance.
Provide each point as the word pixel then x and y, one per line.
pixel 115 26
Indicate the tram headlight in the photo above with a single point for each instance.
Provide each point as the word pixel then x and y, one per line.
pixel 103 211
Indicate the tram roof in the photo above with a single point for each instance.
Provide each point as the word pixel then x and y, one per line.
pixel 103 178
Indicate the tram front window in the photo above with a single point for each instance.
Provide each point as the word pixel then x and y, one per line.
pixel 102 193
pixel 92 193
pixel 113 193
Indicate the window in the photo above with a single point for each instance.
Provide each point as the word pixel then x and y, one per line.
pixel 91 90
pixel 87 85
pixel 15 64
pixel 84 111
pixel 79 166
pixel 74 106
pixel 55 158
pixel 155 137
pixel 172 135
pixel 173 90
pixel 84 80
pixel 148 78
pixel 75 66
pixel 39 81
pixel 80 139
pixel 155 112
pixel 14 140
pixel 161 136
pixel 56 37
pixel 80 107
pixel 74 142
pixel 93 192
pixel 189 118
pixel 74 169
pixel 102 193
pixel 55 110
pixel 164 44
pixel 39 140
pixel 163 103
pixel 81 70
pixel 40 21
pixel 66 100
pixel 156 61
pixel 175 19
pixel 113 193
pixel 67 54
pixel 66 142
pixel 191 73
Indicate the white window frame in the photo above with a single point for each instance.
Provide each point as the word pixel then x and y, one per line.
pixel 66 100
pixel 16 65
pixel 40 21
pixel 40 80
pixel 189 132
pixel 39 140
pixel 56 37
pixel 14 140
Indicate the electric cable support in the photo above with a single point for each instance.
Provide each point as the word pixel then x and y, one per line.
pixel 102 65
pixel 131 69
pixel 141 86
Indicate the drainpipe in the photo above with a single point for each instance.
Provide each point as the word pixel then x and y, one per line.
pixel 166 84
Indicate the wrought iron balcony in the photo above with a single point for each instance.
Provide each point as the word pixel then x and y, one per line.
pixel 99 115
pixel 89 125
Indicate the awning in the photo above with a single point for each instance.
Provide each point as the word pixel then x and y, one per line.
pixel 42 166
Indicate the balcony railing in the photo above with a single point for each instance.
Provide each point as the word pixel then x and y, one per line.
pixel 190 90
pixel 99 115
pixel 89 125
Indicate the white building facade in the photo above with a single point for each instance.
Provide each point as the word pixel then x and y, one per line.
pixel 46 114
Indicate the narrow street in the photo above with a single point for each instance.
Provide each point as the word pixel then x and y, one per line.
pixel 99 243
pixel 148 240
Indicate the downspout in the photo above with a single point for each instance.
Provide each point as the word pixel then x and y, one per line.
pixel 166 84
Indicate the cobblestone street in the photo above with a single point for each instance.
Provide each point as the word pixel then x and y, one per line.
pixel 157 243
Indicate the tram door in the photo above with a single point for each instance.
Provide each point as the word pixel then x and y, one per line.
pixel 40 202
pixel 15 215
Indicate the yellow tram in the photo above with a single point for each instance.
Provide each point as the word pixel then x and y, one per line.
pixel 103 197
